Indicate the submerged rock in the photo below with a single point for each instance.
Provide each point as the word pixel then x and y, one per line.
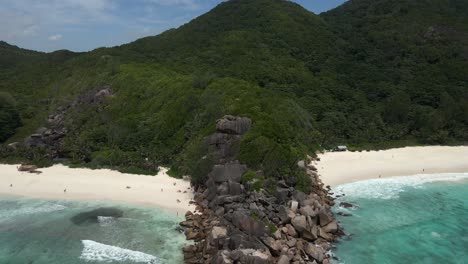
pixel 92 217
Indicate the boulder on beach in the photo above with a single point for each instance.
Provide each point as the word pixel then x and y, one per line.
pixel 27 168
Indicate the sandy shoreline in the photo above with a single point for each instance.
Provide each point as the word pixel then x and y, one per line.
pixel 337 168
pixel 98 185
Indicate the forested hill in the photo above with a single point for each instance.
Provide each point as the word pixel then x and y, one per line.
pixel 409 59
pixel 368 73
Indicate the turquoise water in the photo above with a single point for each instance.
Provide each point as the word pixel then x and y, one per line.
pixel 418 219
pixel 58 232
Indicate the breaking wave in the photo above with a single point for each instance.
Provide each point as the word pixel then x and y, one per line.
pixel 44 208
pixel 94 251
pixel 390 188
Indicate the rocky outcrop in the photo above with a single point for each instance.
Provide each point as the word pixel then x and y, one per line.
pixel 51 135
pixel 222 144
pixel 233 224
pixel 233 125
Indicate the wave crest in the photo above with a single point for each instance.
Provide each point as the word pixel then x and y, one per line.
pixel 94 251
pixel 44 208
pixel 390 188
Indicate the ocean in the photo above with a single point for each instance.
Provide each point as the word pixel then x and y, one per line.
pixel 64 232
pixel 405 220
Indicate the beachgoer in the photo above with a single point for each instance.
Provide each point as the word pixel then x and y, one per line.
pixel 65 190
pixel 11 185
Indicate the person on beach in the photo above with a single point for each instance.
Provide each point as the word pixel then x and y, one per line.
pixel 65 190
pixel 11 185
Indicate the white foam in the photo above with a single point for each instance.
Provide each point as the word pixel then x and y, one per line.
pixel 106 220
pixel 46 208
pixel 390 188
pixel 94 251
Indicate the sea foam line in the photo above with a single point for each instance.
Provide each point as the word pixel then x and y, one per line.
pixel 390 188
pixel 45 208
pixel 94 251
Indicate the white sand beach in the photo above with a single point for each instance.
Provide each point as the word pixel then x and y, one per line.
pixel 98 185
pixel 344 167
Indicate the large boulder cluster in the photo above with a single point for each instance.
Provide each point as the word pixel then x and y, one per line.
pixel 229 130
pixel 234 224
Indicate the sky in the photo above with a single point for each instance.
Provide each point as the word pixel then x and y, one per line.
pixel 83 25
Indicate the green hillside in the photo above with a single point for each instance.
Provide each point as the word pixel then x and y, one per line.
pixel 367 74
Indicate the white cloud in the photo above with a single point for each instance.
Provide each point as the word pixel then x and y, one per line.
pixel 55 37
pixel 189 4
pixel 25 18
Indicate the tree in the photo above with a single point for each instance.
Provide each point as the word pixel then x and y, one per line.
pixel 9 117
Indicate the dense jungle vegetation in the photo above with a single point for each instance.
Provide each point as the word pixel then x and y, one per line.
pixel 369 74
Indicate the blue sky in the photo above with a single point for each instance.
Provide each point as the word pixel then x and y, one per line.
pixel 82 25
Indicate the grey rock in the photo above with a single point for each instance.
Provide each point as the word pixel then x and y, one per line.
pixel 299 196
pixel 325 235
pixel 28 168
pixel 246 223
pixel 218 232
pixel 299 223
pixel 220 211
pixel 250 256
pixel 282 194
pixel 293 205
pixel 311 234
pixel 291 231
pixel 233 125
pixel 301 164
pixel 234 188
pixel 309 201
pixel 315 252
pixel 241 240
pixel 273 245
pixel 231 171
pixel 283 260
pixel 223 189
pixel 291 243
pixel 324 218
pixel 332 227
pixel 285 214
pixel 277 234
pixel 307 211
